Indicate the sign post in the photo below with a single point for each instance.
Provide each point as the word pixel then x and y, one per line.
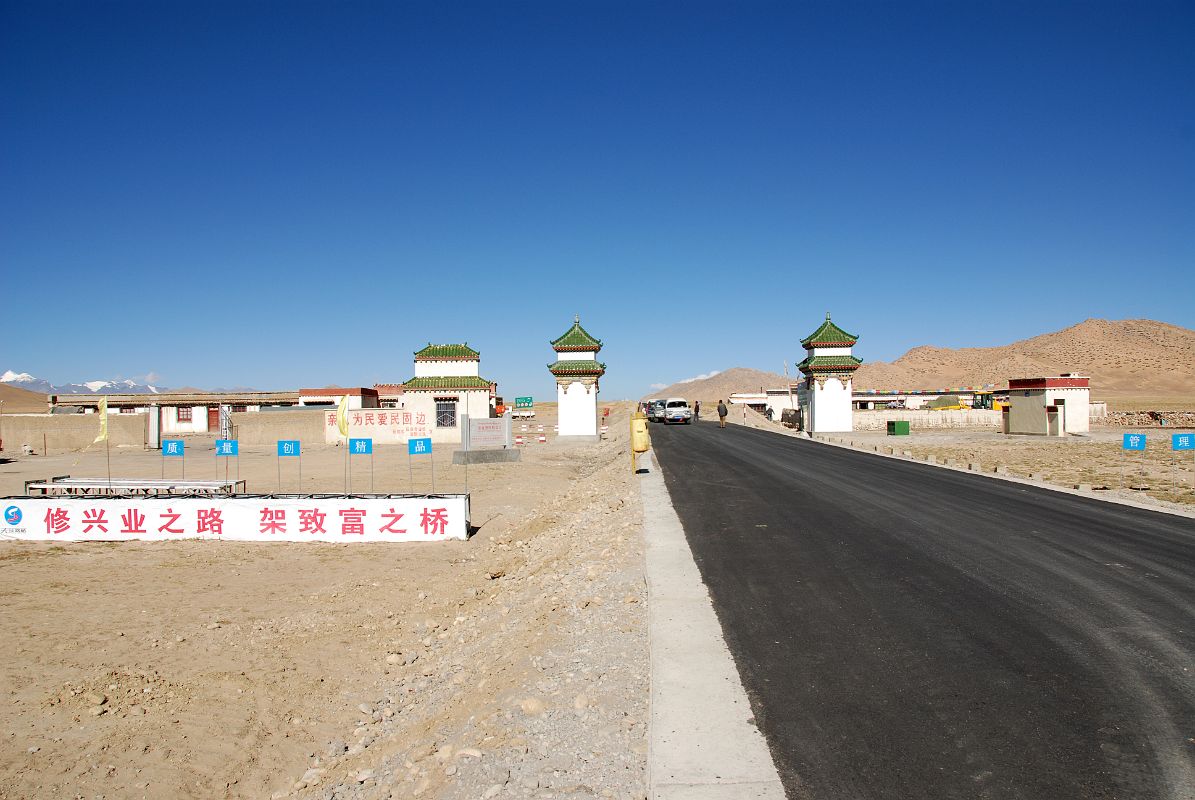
pixel 228 448
pixel 290 448
pixel 420 447
pixel 174 448
pixel 361 447
pixel 1132 441
pixel 1181 441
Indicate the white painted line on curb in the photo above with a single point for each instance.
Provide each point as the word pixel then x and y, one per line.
pixel 702 745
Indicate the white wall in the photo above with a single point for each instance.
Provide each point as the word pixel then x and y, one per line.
pixel 415 419
pixel 924 418
pixel 1078 407
pixel 577 409
pixel 577 355
pixel 171 424
pixel 355 400
pixel 446 369
pixel 831 407
pixel 830 351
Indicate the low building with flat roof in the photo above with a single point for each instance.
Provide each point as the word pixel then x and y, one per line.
pixel 1053 406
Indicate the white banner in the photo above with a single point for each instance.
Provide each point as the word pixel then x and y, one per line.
pixel 397 518
pixel 383 425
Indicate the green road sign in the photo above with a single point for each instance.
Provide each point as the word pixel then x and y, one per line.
pixel 524 402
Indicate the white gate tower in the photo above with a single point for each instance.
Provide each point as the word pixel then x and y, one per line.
pixel 825 395
pixel 577 371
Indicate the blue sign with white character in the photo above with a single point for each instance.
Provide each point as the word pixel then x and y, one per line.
pixel 172 447
pixel 1182 441
pixel 1134 441
pixel 360 447
pixel 419 447
pixel 227 447
pixel 288 447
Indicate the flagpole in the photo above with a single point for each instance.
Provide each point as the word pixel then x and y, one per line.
pixel 108 458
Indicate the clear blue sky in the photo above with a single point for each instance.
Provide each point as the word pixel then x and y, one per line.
pixel 281 194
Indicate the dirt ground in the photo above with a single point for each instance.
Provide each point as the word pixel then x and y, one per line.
pixel 510 665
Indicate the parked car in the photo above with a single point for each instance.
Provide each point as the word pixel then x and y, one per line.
pixel 655 410
pixel 676 410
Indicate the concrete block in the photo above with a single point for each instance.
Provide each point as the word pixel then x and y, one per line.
pixel 1083 487
pixel 486 456
pixel 572 440
pixel 931 460
pixel 974 466
pixel 907 453
pixel 1001 470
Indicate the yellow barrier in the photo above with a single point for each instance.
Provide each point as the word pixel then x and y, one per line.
pixel 640 439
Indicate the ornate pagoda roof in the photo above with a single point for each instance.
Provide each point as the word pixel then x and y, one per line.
pixel 813 364
pixel 576 339
pixel 829 335
pixel 447 352
pixel 579 367
pixel 448 382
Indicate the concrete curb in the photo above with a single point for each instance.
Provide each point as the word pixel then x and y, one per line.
pixel 702 745
pixel 1159 506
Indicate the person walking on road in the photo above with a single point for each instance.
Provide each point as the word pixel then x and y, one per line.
pixel 696 410
pixel 722 412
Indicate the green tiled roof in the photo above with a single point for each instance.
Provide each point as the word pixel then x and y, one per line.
pixel 577 338
pixel 579 367
pixel 829 334
pixel 829 363
pixel 450 382
pixel 456 352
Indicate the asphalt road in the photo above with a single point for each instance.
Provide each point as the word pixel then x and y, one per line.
pixel 905 631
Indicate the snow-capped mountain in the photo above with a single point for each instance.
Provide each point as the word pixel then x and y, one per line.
pixel 23 380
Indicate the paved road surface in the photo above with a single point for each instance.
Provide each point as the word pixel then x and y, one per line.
pixel 910 632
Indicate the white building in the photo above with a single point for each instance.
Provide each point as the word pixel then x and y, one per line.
pixel 825 396
pixel 1048 406
pixel 577 371
pixel 447 384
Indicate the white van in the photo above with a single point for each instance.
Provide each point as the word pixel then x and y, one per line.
pixel 676 409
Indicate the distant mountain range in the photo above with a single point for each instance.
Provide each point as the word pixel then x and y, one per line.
pixel 23 380
pixel 1123 358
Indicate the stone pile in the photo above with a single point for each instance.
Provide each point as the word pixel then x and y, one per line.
pixel 1151 419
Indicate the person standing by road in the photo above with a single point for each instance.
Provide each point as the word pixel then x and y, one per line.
pixel 722 412
pixel 696 410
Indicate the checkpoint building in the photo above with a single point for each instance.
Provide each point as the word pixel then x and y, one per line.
pixel 577 371
pixel 824 398
pixel 1052 406
pixel 447 384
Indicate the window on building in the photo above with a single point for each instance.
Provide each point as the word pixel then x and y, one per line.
pixel 239 409
pixel 127 410
pixel 184 413
pixel 445 412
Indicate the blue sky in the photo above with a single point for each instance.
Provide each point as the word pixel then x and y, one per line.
pixel 280 194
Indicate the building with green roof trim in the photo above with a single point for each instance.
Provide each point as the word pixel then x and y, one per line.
pixel 575 339
pixel 829 335
pixel 577 372
pixel 824 399
pixel 447 352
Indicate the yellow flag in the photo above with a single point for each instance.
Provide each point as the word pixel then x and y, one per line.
pixel 342 416
pixel 103 412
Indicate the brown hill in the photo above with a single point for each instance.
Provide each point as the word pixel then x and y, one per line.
pixel 20 401
pixel 722 385
pixel 1124 358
